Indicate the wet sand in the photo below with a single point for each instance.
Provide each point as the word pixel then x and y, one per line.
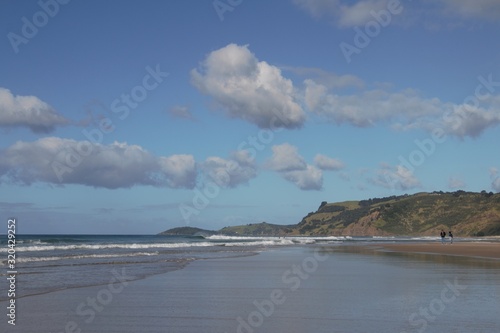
pixel 468 249
pixel 282 290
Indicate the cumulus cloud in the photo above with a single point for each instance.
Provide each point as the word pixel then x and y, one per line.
pixel 360 12
pixel 396 178
pixel 230 173
pixel 248 89
pixel 311 178
pixel 118 165
pixel 344 13
pixel 291 166
pixel 495 184
pixel 495 179
pixel 368 107
pixel 327 163
pixel 327 79
pixel 178 171
pixel 286 158
pixel 432 14
pixel 404 109
pixel 28 111
pixel 467 120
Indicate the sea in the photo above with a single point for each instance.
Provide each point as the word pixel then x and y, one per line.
pixel 217 283
pixel 46 263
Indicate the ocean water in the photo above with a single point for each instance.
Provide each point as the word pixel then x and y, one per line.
pixel 224 286
pixel 47 263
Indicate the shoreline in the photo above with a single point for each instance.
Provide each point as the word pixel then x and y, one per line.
pixel 301 288
pixel 485 250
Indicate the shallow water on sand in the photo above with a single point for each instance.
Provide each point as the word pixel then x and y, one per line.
pixel 293 289
pixel 421 292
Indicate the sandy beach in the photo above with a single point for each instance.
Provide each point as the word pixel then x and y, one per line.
pixel 296 289
pixel 467 249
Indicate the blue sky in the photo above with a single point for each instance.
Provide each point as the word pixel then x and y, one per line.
pixel 134 117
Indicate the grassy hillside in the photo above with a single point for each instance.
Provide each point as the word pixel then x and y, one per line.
pixel 465 213
pixel 260 229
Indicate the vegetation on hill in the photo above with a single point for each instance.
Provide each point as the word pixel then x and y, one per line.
pixel 259 229
pixel 465 213
pixel 188 231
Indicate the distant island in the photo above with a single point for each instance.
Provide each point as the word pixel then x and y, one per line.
pixel 188 231
pixel 425 214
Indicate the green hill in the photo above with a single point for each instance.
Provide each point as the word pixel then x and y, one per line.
pixel 466 213
pixel 260 229
pixel 188 231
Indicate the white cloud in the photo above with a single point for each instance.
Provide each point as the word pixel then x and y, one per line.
pixel 432 14
pixel 397 178
pixel 327 79
pixel 466 120
pixel 315 96
pixel 327 163
pixel 249 89
pixel 311 178
pixel 368 107
pixel 118 165
pixel 360 12
pixel 405 109
pixel 230 173
pixel 344 13
pixel 495 179
pixel 179 170
pixel 286 158
pixel 28 111
pixel 495 184
pixel 291 166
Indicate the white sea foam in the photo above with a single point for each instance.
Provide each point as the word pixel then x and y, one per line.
pixel 141 246
pixel 89 256
pixel 305 239
pixel 107 246
pixel 212 241
pixel 425 238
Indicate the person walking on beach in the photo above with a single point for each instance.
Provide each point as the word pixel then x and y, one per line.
pixel 443 235
pixel 451 237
